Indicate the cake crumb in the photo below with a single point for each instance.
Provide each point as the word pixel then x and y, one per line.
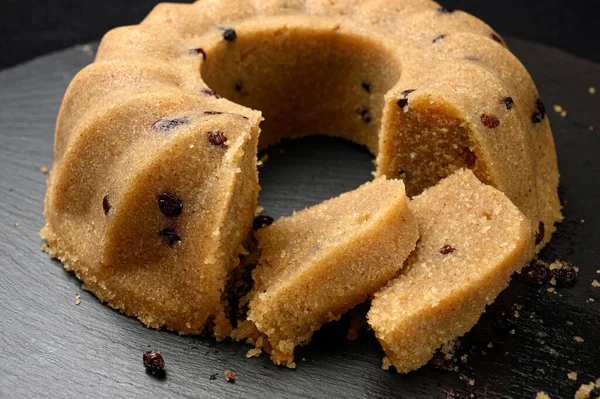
pixel 262 160
pixel 569 323
pixel 551 289
pixel 590 128
pixel 471 382
pixel 254 352
pixel 572 375
pixel 584 391
pixel 563 113
pixel 592 90
pixel 385 363
pixel 16 224
pixel 542 395
pixel 557 108
pixel 595 283
pixel 259 210
pixel 578 339
pixel 229 376
pixel 589 300
pixel 77 299
pixel 44 169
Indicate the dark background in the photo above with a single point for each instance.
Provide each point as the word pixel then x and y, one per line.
pixel 29 28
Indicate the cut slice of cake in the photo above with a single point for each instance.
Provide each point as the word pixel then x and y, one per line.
pixel 322 261
pixel 472 239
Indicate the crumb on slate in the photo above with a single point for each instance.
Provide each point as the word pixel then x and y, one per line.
pixel 229 376
pixel 16 224
pixel 259 210
pixel 578 339
pixel 572 375
pixel 542 395
pixel 77 299
pixel 584 391
pixel 44 169
pixel 262 160
pixel 385 363
pixel 595 283
pixel 254 352
pixel 592 90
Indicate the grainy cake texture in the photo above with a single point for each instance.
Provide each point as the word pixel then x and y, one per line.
pixel 472 238
pixel 324 260
pixel 154 178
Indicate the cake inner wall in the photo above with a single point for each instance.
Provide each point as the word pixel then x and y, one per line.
pixel 305 80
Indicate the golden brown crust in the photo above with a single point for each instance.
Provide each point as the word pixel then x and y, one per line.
pixel 104 143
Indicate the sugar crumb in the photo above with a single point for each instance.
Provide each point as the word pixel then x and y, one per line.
pixel 44 169
pixel 77 299
pixel 572 375
pixel 16 224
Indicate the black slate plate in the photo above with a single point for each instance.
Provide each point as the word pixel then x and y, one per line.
pixel 51 347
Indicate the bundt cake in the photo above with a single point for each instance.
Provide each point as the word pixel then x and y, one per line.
pixel 472 238
pixel 154 185
pixel 324 260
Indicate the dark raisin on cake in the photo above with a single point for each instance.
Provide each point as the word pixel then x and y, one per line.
pixel 170 205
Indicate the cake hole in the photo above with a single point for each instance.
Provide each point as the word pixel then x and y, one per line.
pixel 306 81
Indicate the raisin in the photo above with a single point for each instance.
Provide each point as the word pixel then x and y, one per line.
pixel 366 86
pixel 540 111
pixel 495 37
pixel 403 101
pixel 262 221
pixel 229 376
pixel 229 35
pixel 444 10
pixel 210 92
pixel 169 236
pixel 447 249
pixel 170 205
pixel 217 139
pixel 154 362
pixel 106 204
pixel 440 362
pixel 455 394
pixel 504 320
pixel 535 274
pixel 566 275
pixel 198 51
pixel 539 235
pixel 508 102
pixel 365 114
pixel 238 86
pixel 212 112
pixel 438 38
pixel 168 124
pixel 490 121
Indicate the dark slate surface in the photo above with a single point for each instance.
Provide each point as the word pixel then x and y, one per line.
pixel 51 347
